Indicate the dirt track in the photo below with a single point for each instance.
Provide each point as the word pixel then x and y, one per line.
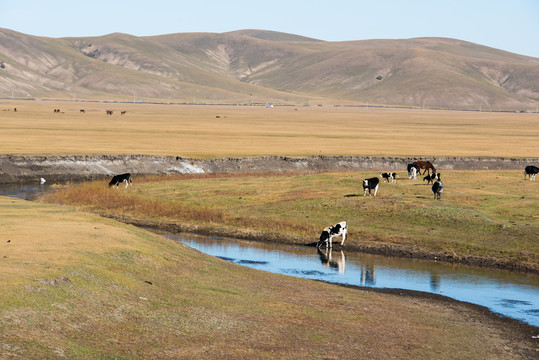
pixel 27 168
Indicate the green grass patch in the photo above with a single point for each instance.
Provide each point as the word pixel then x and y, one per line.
pixel 480 214
pixel 77 285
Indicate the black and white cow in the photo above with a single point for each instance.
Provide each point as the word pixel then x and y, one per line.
pixel 531 171
pixel 430 178
pixel 438 189
pixel 412 170
pixel 339 229
pixel 370 184
pixel 117 179
pixel 387 176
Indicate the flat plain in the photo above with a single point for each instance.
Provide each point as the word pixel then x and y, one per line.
pixel 78 285
pixel 204 131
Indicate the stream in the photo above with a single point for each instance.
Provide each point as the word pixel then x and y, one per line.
pixel 511 294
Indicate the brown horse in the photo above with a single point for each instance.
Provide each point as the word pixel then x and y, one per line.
pixel 426 166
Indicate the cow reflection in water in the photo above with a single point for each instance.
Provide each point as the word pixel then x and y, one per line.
pixel 435 282
pixel 338 262
pixel 368 275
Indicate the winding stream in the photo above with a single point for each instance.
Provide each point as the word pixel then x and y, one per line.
pixel 504 292
pixel 510 294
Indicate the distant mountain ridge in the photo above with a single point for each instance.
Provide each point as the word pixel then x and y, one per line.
pixel 266 66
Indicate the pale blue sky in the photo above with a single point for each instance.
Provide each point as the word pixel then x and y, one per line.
pixel 511 25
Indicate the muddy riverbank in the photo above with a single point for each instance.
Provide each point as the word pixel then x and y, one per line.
pixel 375 248
pixel 29 168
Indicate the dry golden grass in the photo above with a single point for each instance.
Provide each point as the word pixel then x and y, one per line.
pixel 74 284
pixel 483 214
pixel 220 131
pixel 78 286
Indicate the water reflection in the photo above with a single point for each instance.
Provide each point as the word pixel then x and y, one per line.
pixel 368 275
pixel 435 282
pixel 508 293
pixel 29 191
pixel 24 191
pixel 338 263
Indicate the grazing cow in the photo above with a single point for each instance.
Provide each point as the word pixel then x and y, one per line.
pixel 337 263
pixel 412 171
pixel 386 176
pixel 109 112
pixel 370 184
pixel 531 171
pixel 430 178
pixel 123 112
pixel 82 111
pixel 330 232
pixel 117 179
pixel 425 165
pixel 438 189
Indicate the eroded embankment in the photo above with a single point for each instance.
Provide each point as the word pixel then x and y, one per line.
pixel 20 168
pixel 27 168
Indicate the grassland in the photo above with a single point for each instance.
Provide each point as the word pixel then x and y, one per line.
pixel 235 131
pixel 79 286
pixel 483 219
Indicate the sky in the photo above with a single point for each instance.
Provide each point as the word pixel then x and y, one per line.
pixel 511 25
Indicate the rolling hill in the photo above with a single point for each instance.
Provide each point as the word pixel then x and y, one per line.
pixel 264 66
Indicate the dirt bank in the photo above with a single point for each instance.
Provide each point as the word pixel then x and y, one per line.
pixel 27 168
pixel 376 248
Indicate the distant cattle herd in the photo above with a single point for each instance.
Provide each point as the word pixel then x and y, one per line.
pixel 82 111
pixel 371 184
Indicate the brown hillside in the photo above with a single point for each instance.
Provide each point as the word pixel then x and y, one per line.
pixel 264 66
